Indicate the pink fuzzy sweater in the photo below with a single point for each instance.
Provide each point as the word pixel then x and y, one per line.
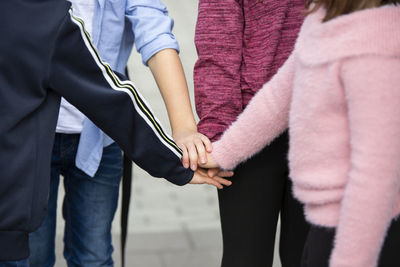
pixel 339 93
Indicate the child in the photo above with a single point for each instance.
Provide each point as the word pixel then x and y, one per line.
pixel 233 63
pixel 339 94
pixel 92 174
pixel 46 53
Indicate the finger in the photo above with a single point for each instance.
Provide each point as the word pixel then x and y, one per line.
pixel 213 182
pixel 211 164
pixel 212 172
pixel 202 171
pixel 224 173
pixel 207 143
pixel 201 152
pixel 185 156
pixel 222 181
pixel 192 156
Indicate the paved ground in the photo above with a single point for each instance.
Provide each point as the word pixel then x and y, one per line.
pixel 169 225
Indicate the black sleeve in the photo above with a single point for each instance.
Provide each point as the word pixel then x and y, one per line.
pixel 113 104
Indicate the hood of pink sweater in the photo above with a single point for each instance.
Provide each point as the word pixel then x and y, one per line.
pixel 359 33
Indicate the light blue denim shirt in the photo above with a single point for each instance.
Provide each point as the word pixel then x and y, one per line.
pixel 117 25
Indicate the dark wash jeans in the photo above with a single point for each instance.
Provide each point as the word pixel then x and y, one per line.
pixel 88 208
pixel 21 263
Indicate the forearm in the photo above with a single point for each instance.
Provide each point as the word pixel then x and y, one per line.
pixel 168 72
pixel 365 217
pixel 255 128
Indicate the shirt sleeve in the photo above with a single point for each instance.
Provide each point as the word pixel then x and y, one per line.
pixel 218 39
pixel 113 103
pixel 151 26
pixel 371 86
pixel 266 117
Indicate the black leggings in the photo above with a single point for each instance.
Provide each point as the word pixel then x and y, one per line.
pixel 250 207
pixel 319 246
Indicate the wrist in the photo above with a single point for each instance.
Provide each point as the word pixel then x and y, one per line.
pixel 184 129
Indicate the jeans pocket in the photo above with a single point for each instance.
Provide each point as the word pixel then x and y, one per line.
pixel 110 168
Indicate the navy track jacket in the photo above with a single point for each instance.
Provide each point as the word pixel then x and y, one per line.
pixel 45 53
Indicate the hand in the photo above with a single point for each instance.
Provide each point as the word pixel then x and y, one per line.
pixel 201 177
pixel 194 146
pixel 210 163
pixel 218 172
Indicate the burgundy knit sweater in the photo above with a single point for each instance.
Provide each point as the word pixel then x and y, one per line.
pixel 240 44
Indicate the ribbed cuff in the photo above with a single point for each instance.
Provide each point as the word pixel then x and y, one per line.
pixel 14 245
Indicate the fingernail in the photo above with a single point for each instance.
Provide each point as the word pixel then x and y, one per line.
pixel 193 167
pixel 185 165
pixel 203 160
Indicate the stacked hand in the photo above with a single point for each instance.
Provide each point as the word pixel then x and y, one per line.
pixel 202 176
pixel 196 149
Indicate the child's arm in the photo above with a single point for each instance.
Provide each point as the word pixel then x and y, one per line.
pixel 264 118
pixel 168 73
pixel 371 86
pixel 152 29
pixel 217 72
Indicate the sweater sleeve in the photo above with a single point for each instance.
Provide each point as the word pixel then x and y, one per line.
pixel 264 118
pixel 218 39
pixel 371 86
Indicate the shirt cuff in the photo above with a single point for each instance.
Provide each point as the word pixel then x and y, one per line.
pixel 163 41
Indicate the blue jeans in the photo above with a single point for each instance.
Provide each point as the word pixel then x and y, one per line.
pixel 88 208
pixel 21 263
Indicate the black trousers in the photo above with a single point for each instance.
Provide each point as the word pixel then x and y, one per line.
pixel 250 208
pixel 319 245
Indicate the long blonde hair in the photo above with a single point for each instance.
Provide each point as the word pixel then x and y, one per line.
pixel 336 8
